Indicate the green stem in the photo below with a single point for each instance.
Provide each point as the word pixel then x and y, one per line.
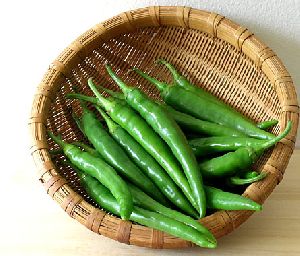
pixel 112 126
pixel 57 139
pixel 78 122
pixel 239 181
pixel 105 103
pixel 82 97
pixel 272 142
pixel 171 68
pixel 160 85
pixel 117 95
pixel 126 89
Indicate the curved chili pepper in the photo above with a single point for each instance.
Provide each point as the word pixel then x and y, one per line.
pixel 212 145
pixel 144 201
pixel 114 155
pixel 151 219
pixel 236 180
pixel 137 127
pixel 241 159
pixel 203 127
pixel 200 106
pixel 160 120
pixel 147 163
pixel 101 171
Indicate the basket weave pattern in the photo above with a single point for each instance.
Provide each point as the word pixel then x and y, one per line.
pixel 212 51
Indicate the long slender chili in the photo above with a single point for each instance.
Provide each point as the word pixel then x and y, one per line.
pixel 137 127
pixel 151 219
pixel 241 159
pixel 114 155
pixel 144 201
pixel 101 171
pixel 213 145
pixel 200 126
pixel 200 106
pixel 147 163
pixel 160 120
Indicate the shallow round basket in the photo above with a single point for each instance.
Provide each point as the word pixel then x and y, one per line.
pixel 212 51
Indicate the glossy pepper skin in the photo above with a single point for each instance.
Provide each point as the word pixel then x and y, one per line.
pixel 219 199
pixel 142 200
pixel 202 107
pixel 241 159
pixel 147 163
pixel 162 123
pixel 151 219
pixel 102 172
pixel 203 127
pixel 213 145
pixel 137 127
pixel 114 155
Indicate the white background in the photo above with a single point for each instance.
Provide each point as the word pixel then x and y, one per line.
pixel 33 33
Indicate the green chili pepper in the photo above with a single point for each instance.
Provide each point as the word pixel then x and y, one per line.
pixel 101 171
pixel 144 201
pixel 115 155
pixel 193 124
pixel 236 180
pixel 221 200
pixel 241 159
pixel 212 145
pixel 200 106
pixel 267 124
pixel 151 219
pixel 147 163
pixel 160 120
pixel 137 127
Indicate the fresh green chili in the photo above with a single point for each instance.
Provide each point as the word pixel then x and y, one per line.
pixel 151 219
pixel 241 159
pixel 163 123
pixel 100 170
pixel 137 127
pixel 201 106
pixel 114 155
pixel 148 164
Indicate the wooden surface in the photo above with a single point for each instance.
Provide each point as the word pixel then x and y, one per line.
pixel 45 229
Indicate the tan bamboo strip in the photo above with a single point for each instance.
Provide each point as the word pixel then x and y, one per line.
pixel 212 51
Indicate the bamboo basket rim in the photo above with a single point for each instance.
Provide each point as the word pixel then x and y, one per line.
pixel 214 25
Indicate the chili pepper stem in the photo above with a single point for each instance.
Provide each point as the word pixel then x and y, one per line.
pixel 171 68
pixel 126 89
pixel 57 139
pixel 112 126
pixel 160 85
pixel 78 122
pixel 239 181
pixel 272 142
pixel 82 97
pixel 105 103
pixel 117 95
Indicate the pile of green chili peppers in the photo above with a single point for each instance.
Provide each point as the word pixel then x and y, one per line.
pixel 159 164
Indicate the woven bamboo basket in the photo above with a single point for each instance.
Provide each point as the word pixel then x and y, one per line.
pixel 212 51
